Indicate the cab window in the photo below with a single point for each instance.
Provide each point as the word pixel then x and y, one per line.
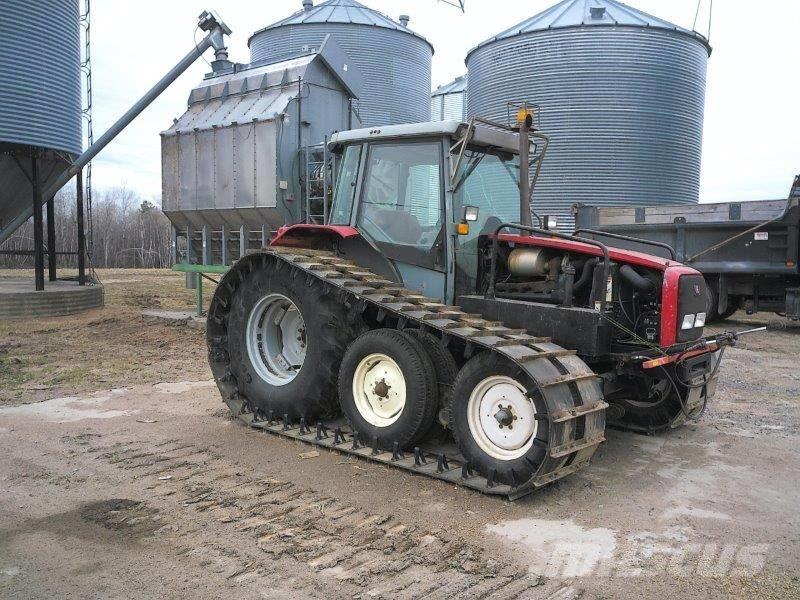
pixel 401 201
pixel 489 182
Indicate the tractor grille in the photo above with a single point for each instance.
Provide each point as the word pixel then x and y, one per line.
pixel 692 295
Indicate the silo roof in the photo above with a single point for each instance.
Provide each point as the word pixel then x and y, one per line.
pixel 341 11
pixel 459 84
pixel 590 13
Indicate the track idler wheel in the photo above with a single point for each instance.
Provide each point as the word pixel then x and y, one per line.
pixel 387 388
pixel 497 420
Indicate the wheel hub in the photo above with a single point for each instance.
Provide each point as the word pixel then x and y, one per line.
pixel 382 389
pixel 505 416
pixel 379 390
pixel 276 339
pixel 501 417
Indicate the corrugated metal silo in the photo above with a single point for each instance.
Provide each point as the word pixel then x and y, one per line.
pixel 40 97
pixel 448 101
pixel 621 95
pixel 395 62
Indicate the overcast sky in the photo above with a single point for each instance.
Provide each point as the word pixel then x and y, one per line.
pixel 751 142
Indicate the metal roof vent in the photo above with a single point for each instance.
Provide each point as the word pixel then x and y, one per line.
pixel 308 5
pixel 404 19
pixel 597 12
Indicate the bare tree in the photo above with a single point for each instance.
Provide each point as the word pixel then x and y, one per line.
pixel 129 231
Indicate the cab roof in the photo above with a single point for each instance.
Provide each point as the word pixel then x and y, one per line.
pixel 483 135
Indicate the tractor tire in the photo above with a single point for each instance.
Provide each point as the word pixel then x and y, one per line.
pixel 387 388
pixel 510 439
pixel 287 370
pixel 445 368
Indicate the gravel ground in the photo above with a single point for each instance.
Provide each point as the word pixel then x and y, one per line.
pixel 123 476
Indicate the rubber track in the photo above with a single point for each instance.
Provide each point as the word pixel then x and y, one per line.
pixel 570 390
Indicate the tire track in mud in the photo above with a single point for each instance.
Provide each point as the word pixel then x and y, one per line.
pixel 323 540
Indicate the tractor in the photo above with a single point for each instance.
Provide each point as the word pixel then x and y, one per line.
pixel 428 324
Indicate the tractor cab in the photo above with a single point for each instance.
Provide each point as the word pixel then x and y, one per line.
pixel 422 194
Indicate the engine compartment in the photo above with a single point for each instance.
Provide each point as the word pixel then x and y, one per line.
pixel 569 279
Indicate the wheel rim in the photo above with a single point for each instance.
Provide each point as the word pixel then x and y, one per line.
pixel 379 390
pixel 501 418
pixel 276 339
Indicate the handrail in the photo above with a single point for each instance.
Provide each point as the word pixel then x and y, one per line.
pixel 619 236
pixel 490 292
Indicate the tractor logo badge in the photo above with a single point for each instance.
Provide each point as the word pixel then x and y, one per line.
pixel 696 289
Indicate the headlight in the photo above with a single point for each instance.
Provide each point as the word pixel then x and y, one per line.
pixel 688 321
pixel 700 320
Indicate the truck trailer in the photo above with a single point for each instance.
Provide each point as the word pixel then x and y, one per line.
pixel 747 251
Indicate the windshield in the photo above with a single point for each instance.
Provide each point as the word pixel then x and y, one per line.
pixel 345 186
pixel 490 182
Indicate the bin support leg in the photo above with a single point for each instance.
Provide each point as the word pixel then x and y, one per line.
pixel 198 294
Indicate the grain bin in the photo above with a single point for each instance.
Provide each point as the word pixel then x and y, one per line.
pixel 394 61
pixel 621 94
pixel 448 100
pixel 40 98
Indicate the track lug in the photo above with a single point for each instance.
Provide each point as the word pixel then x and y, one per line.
pixel 285 422
pixel 491 478
pixel 397 454
pixel 442 464
pixel 419 457
pixel 338 436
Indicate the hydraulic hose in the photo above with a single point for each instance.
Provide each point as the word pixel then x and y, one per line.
pixel 642 284
pixel 586 273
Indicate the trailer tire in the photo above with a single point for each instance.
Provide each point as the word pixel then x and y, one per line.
pixel 445 367
pixel 512 456
pixel 734 304
pixel 711 300
pixel 387 388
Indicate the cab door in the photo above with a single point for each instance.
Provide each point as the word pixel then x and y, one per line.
pixel 401 210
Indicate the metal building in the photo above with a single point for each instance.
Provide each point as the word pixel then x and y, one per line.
pixel 248 154
pixel 621 94
pixel 448 101
pixel 40 100
pixel 394 61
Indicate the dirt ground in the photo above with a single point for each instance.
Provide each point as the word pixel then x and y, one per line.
pixel 123 476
